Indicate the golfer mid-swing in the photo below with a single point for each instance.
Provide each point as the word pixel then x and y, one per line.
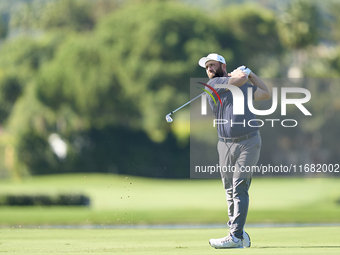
pixel 239 144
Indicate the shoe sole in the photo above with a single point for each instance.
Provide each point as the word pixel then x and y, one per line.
pixel 226 247
pixel 248 237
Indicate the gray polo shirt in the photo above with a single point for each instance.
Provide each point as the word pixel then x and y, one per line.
pixel 237 124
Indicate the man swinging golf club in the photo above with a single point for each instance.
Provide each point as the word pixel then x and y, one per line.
pixel 239 145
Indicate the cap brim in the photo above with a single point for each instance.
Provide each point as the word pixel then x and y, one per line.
pixel 203 60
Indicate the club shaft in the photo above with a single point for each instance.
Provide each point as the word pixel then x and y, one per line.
pixel 186 103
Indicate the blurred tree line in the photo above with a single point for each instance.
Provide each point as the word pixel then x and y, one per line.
pixel 103 74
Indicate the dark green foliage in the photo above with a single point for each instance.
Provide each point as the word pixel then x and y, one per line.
pixel 105 83
pixel 109 150
pixel 250 32
pixel 44 200
pixel 10 89
pixel 298 24
pixel 35 153
pixel 117 150
pixel 72 14
pixel 3 27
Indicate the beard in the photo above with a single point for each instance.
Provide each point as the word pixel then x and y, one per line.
pixel 218 73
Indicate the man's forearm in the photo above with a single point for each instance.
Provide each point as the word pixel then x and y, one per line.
pixel 256 81
pixel 238 82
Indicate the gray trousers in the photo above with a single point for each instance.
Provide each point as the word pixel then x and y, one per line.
pixel 236 184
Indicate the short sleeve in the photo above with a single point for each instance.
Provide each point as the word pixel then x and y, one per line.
pixel 254 89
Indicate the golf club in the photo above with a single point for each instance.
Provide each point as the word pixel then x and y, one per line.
pixel 169 119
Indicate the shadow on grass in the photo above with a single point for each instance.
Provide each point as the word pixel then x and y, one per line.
pixel 299 247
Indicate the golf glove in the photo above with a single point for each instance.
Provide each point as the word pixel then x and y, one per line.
pixel 244 69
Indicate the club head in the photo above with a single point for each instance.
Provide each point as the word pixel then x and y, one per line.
pixel 168 118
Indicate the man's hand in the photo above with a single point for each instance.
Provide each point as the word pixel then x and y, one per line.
pixel 245 69
pixel 238 73
pixel 237 77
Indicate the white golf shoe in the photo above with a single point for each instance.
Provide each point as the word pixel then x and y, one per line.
pixel 229 241
pixel 246 240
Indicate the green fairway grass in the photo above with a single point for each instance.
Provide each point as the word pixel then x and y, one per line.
pixel 118 199
pixel 302 240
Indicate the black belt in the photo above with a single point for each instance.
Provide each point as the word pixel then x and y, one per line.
pixel 240 138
